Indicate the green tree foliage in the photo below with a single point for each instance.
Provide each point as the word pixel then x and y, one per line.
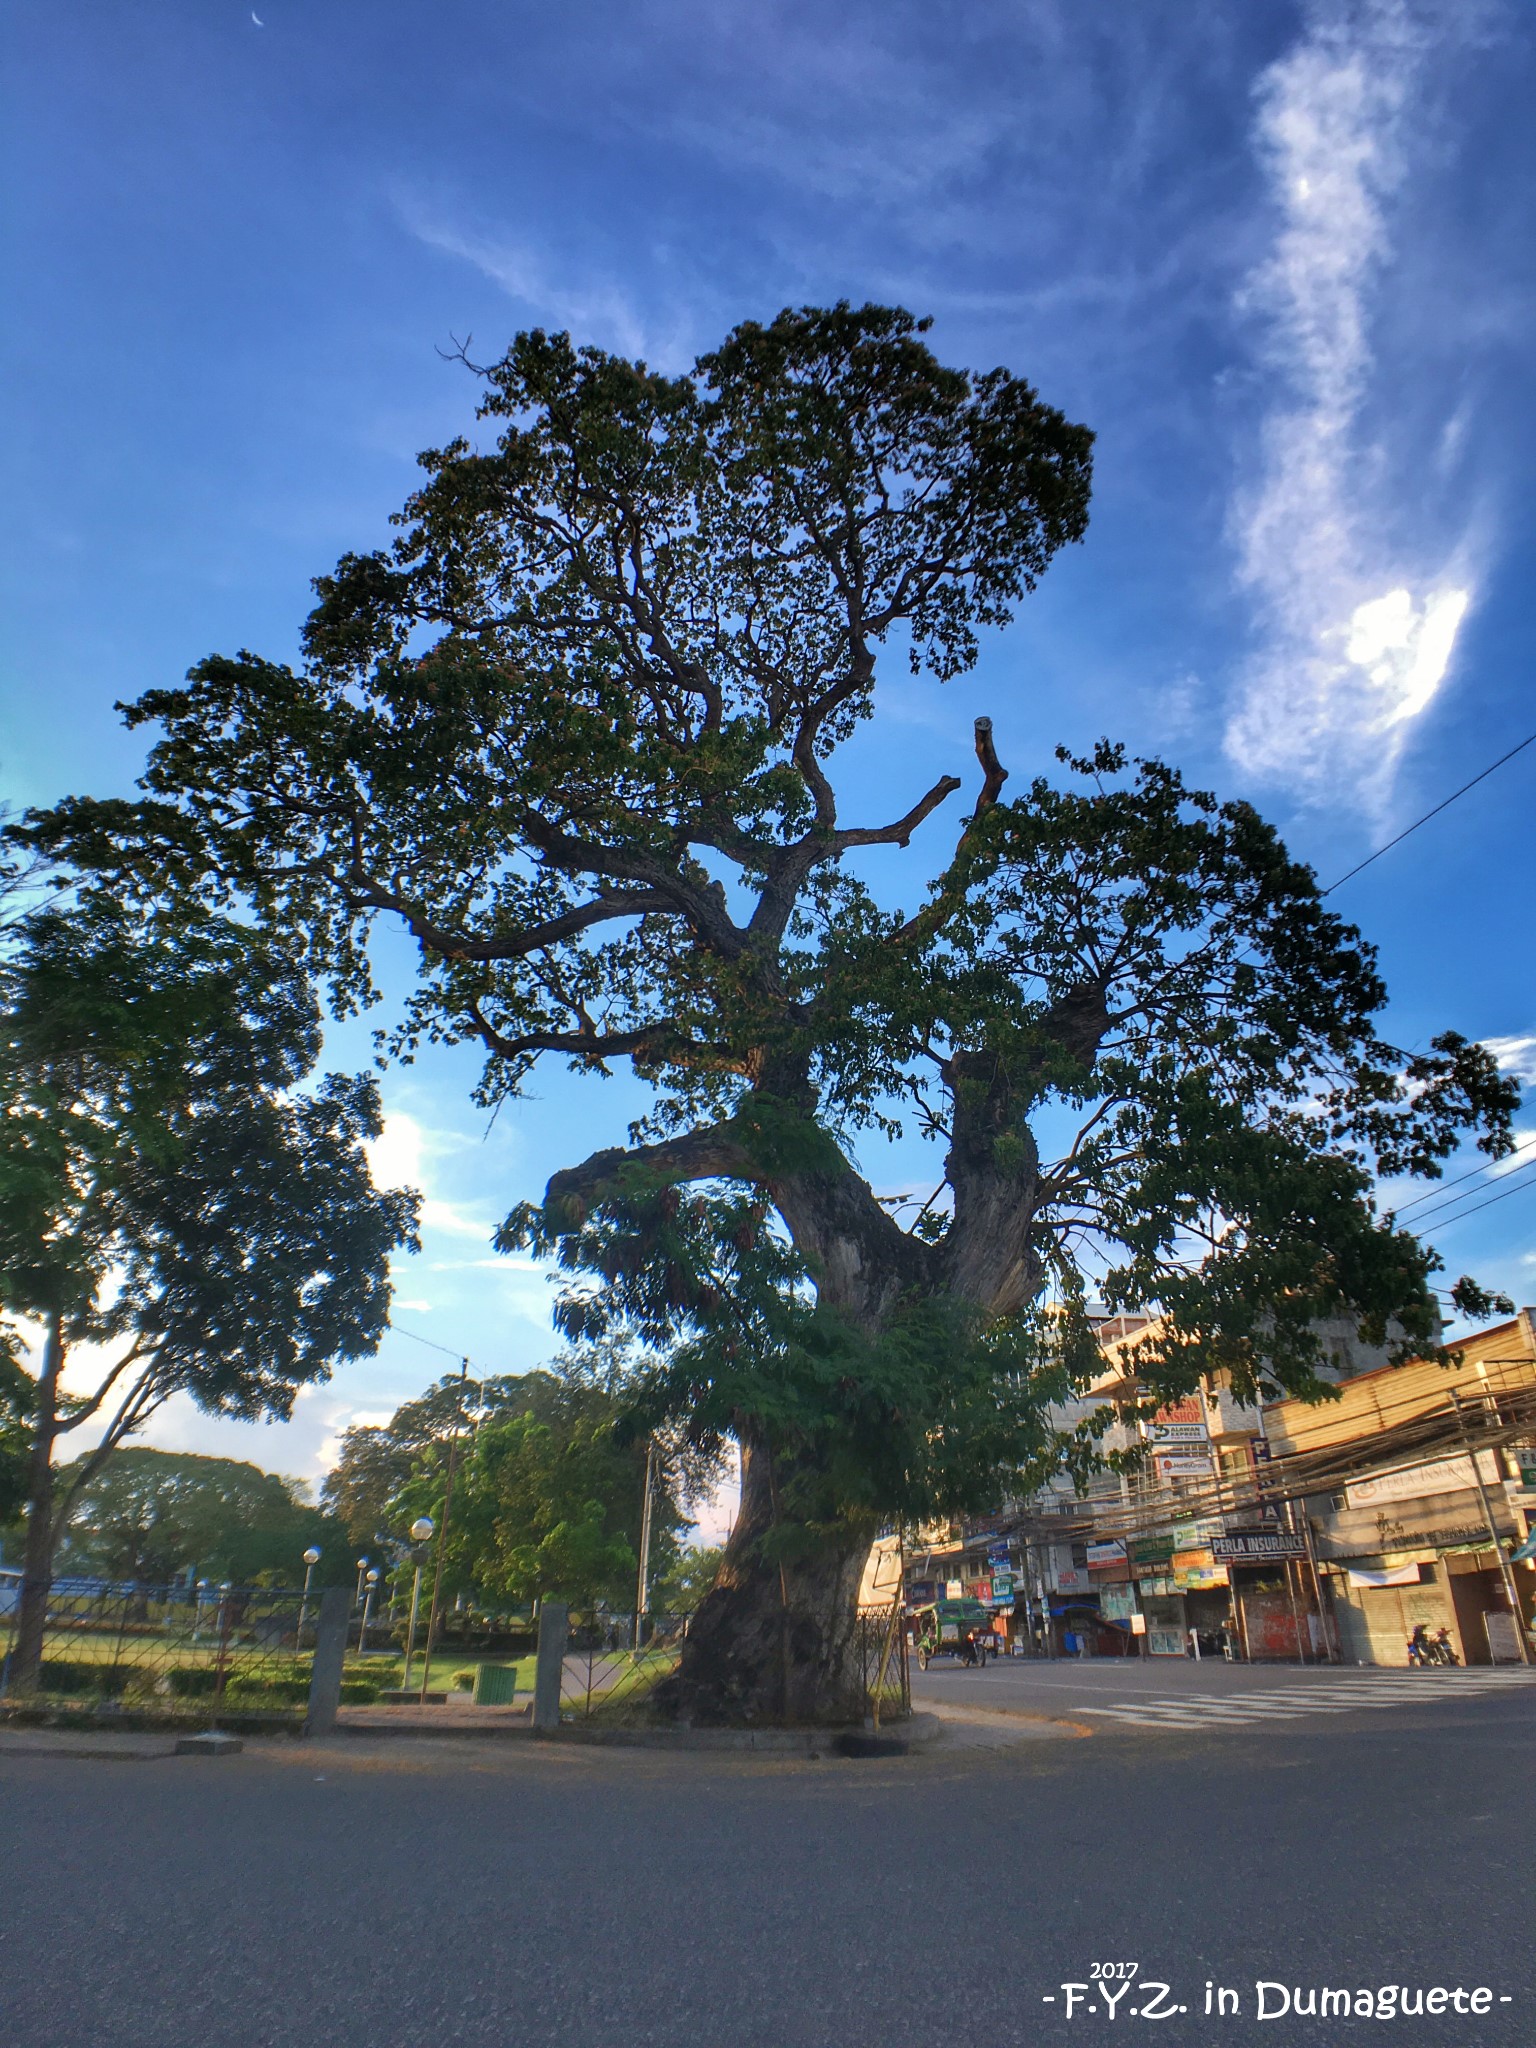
pixel 576 730
pixel 152 1515
pixel 376 1462
pixel 548 1483
pixel 686 1581
pixel 15 1436
pixel 170 1195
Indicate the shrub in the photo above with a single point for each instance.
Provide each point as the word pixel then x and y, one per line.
pixel 58 1674
pixel 192 1681
pixel 464 1681
pixel 275 1692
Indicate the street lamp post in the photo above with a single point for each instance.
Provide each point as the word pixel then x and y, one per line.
pixel 362 1566
pixel 421 1532
pixel 442 1534
pixel 372 1583
pixel 197 1621
pixel 311 1559
pixel 643 1579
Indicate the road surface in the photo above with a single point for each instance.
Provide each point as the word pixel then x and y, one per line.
pixel 368 1894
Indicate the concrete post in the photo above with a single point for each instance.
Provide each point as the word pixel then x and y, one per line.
pixel 330 1651
pixel 554 1626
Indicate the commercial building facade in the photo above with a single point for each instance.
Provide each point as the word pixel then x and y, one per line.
pixel 1289 1531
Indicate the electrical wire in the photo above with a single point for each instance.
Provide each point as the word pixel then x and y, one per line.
pixel 1444 1187
pixel 1443 805
pixel 1520 1176
pixel 446 1349
pixel 1524 1189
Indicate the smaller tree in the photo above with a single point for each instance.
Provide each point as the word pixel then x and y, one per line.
pixel 377 1461
pixel 175 1215
pixel 15 1436
pixel 151 1515
pixel 686 1581
pixel 549 1481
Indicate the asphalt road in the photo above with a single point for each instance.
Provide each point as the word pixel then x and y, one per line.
pixel 376 1895
pixel 1113 1693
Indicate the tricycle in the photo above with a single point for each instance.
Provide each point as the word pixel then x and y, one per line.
pixel 953 1628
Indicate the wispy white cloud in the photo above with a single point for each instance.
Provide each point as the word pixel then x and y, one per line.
pixel 595 310
pixel 1359 600
pixel 1523 1155
pixel 1515 1056
pixel 404 1155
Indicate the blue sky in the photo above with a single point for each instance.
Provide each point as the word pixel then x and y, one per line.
pixel 1277 256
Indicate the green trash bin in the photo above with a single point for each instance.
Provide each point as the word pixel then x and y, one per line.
pixel 495 1685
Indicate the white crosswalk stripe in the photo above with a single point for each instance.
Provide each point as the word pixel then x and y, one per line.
pixel 1338 1695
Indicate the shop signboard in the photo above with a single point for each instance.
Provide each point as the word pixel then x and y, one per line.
pixel 1188 1464
pixel 1179 1422
pixel 1117 1603
pixel 1385 1575
pixel 1260 1453
pixel 1072 1578
pixel 979 1589
pixel 1002 1586
pixel 953 1590
pixel 1256 1546
pixel 1151 1549
pixel 1443 1475
pixel 1106 1553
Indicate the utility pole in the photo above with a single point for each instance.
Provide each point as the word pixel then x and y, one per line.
pixel 442 1534
pixel 1506 1569
pixel 643 1581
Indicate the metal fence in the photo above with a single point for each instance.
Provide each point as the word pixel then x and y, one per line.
pixel 882 1647
pixel 227 1657
pixel 606 1678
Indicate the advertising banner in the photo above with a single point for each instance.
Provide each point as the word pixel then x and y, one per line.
pixel 1444 1475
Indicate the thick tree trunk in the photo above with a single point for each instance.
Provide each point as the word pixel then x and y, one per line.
pixel 775 1642
pixel 37 1559
pixel 776 1639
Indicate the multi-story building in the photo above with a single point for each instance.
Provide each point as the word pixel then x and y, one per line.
pixel 1288 1530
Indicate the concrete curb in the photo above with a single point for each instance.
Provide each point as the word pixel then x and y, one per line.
pixel 969 1713
pixel 896 1738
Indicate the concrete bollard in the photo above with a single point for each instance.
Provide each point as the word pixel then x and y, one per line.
pixel 330 1653
pixel 554 1629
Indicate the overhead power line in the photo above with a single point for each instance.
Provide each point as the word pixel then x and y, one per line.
pixel 1442 1188
pixel 446 1349
pixel 1444 1222
pixel 1443 805
pixel 1521 1177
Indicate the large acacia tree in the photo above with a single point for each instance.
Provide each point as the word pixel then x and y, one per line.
pixel 576 729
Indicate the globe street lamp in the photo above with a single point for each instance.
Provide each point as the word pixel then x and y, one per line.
pixel 372 1583
pixel 202 1595
pixel 421 1532
pixel 311 1559
pixel 362 1566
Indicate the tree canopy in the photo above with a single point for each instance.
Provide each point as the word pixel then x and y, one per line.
pixel 183 1210
pixel 549 1484
pixel 576 730
pixel 150 1516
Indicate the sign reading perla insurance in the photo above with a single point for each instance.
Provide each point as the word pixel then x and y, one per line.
pixel 1256 1546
